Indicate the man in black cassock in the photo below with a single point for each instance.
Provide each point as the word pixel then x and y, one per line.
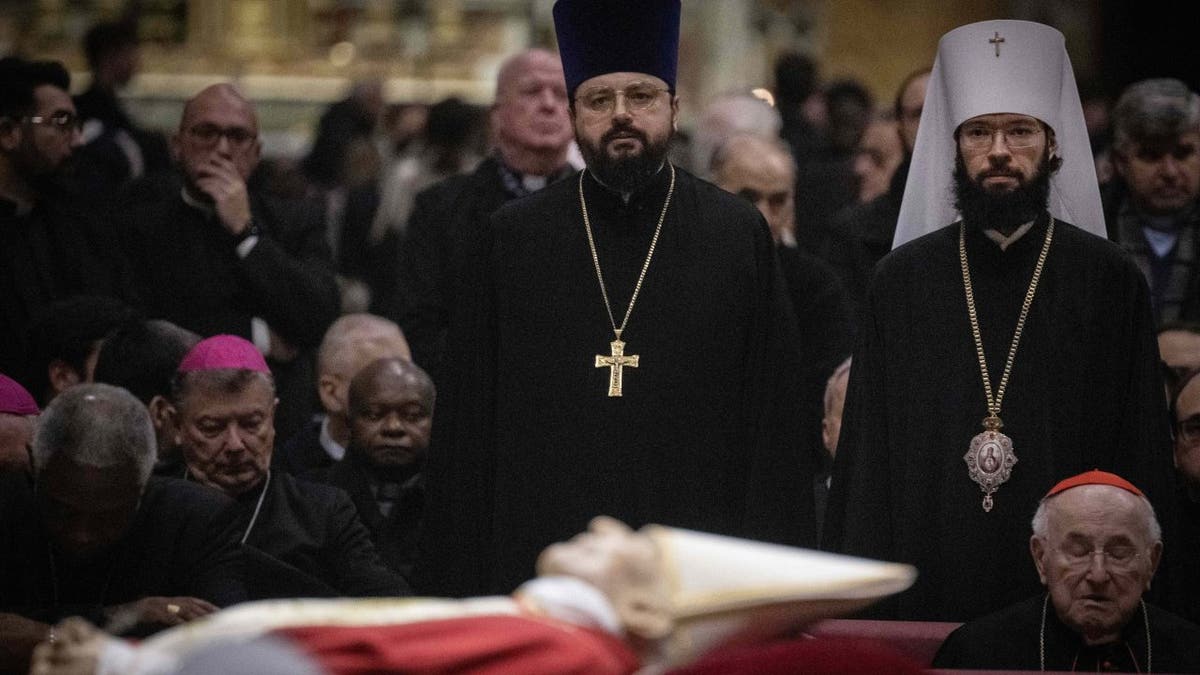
pixel 301 539
pixel 910 483
pixel 51 246
pixel 1096 545
pixel 683 414
pixel 99 537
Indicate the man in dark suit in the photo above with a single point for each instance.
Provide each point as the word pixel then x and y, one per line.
pixel 215 257
pixel 533 135
pixel 391 417
pixel 353 341
pixel 99 538
pixel 50 247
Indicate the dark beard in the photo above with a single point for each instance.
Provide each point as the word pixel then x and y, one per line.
pixel 1001 211
pixel 625 174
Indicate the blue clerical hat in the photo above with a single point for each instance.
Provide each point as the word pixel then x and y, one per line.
pixel 596 37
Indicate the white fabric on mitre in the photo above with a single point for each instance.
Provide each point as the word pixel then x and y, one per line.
pixel 1032 76
pixel 724 590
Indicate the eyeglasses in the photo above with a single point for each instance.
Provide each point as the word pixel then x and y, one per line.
pixel 1189 430
pixel 210 134
pixel 639 96
pixel 63 120
pixel 978 136
pixel 1120 558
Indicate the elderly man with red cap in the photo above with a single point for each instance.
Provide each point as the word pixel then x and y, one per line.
pixel 628 347
pixel 1096 545
pixel 300 538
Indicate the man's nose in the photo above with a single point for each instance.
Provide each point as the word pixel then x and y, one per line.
pixel 233 439
pixel 1170 167
pixel 999 146
pixel 1097 569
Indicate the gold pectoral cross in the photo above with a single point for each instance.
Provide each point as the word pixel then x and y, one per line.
pixel 616 364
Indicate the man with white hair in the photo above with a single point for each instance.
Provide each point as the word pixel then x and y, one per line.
pixel 726 117
pixel 98 537
pixel 950 431
pixel 1096 545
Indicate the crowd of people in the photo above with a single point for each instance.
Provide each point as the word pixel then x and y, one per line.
pixel 219 371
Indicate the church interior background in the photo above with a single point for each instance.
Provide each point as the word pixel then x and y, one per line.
pixel 294 57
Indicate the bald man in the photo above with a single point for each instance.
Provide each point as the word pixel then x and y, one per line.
pixel 391 420
pixel 353 341
pixel 214 257
pixel 532 135
pixel 761 171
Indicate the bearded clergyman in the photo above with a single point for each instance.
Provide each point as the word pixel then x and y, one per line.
pixel 627 345
pixel 1006 345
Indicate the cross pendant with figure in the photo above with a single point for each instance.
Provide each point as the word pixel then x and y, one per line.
pixel 616 363
pixel 996 40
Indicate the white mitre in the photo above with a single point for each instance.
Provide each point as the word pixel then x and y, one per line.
pixel 999 67
pixel 724 591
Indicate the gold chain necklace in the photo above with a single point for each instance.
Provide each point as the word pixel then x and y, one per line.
pixel 990 458
pixel 617 360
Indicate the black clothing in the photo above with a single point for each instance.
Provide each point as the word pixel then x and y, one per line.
pixel 1187 548
pixel 860 236
pixel 303 452
pixel 116 150
pixel 443 218
pixel 183 542
pixel 1008 640
pixel 528 446
pixel 189 272
pixel 314 543
pixel 53 252
pixel 1084 393
pixel 395 533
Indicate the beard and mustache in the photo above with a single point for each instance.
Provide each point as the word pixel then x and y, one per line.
pixel 1002 210
pixel 625 173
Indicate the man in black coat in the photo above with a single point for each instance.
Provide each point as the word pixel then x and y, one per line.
pixel 99 537
pixel 214 257
pixel 533 135
pixel 391 417
pixel 51 247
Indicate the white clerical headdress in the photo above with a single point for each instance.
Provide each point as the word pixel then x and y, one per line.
pixel 999 67
pixel 723 590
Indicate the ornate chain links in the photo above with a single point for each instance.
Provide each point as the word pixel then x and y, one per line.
pixel 993 402
pixel 645 266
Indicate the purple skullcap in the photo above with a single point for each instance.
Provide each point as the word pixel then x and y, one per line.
pixel 14 399
pixel 221 352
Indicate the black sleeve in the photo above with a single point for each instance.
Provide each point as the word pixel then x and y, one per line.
pixel 357 570
pixel 214 570
pixel 422 310
pixel 289 272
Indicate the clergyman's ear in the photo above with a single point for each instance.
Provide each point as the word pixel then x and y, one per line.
pixel 1037 548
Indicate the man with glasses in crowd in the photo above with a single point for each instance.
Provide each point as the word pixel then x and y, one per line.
pixel 1004 346
pixel 214 256
pixel 1186 408
pixel 51 247
pixel 1096 545
pixel 627 347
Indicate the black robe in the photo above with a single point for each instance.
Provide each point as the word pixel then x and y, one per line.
pixel 57 250
pixel 394 534
pixel 1084 393
pixel 308 541
pixel 1009 640
pixel 183 542
pixel 528 446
